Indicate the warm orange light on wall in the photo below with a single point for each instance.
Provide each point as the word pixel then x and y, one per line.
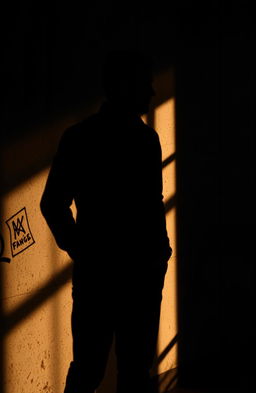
pixel 37 290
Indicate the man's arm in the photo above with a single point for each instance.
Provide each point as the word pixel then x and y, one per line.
pixel 59 193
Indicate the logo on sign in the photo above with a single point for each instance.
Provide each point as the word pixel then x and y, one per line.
pixel 20 233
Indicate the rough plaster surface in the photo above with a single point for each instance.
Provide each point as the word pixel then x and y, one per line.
pixel 36 288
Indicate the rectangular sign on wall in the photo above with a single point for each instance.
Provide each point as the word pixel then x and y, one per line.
pixel 20 234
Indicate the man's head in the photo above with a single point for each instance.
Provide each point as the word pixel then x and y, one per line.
pixel 127 80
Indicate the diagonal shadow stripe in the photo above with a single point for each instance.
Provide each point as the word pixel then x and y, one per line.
pixel 169 160
pixel 167 349
pixel 170 203
pixel 170 385
pixel 36 300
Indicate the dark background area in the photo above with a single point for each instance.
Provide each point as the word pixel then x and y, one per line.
pixel 51 56
pixel 215 78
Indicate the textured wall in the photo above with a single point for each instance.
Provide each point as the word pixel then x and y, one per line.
pixel 36 297
pixel 36 290
pixel 162 118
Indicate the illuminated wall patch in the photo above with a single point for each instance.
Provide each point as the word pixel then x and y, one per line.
pixel 20 233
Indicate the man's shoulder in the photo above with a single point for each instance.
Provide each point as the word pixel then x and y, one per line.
pixel 81 126
pixel 150 129
pixel 150 132
pixel 76 134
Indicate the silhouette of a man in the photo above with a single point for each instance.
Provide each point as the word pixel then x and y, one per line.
pixel 110 165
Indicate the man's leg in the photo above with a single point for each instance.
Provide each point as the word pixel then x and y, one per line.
pixel 137 329
pixel 92 331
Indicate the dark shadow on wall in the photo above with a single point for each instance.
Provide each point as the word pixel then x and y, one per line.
pixel 52 65
pixel 24 310
pixel 35 145
pixel 169 160
pixel 167 380
pixel 167 349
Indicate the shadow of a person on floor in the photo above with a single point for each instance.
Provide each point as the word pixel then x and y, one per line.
pixel 110 165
